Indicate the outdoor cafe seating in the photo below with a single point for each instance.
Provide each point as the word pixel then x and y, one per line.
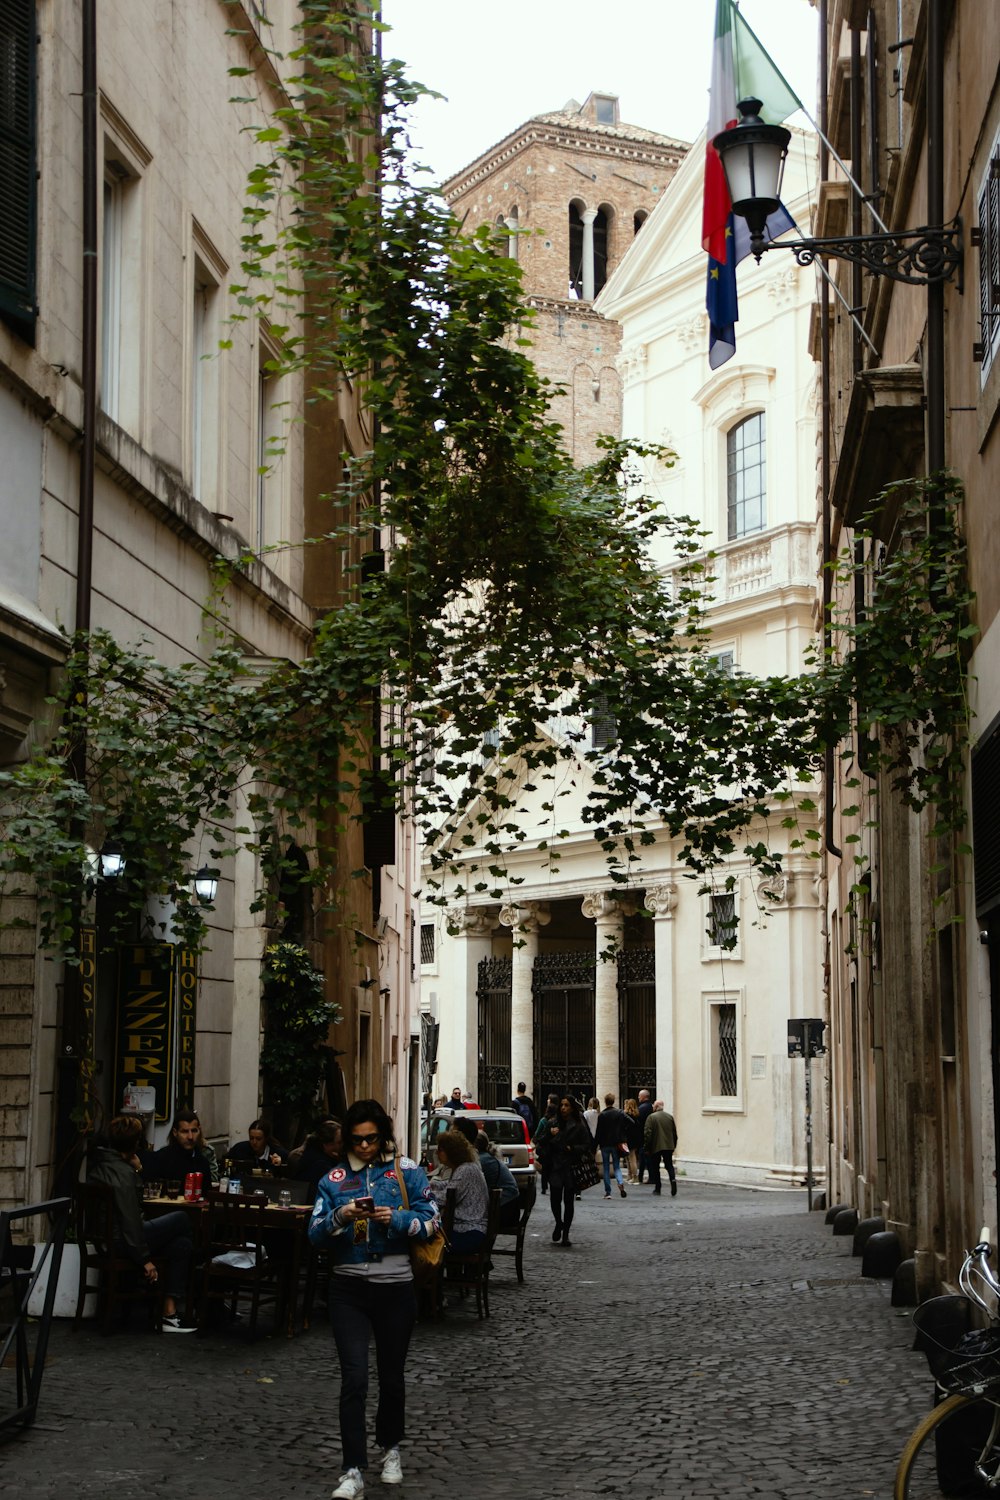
pixel 237 1261
pixel 113 1276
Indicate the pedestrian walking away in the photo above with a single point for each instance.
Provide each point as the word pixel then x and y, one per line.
pixel 525 1106
pixel 633 1138
pixel 360 1219
pixel 659 1144
pixel 645 1110
pixel 569 1140
pixel 611 1136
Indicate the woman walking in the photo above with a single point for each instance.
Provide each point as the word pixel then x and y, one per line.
pixel 360 1219
pixel 569 1140
pixel 633 1139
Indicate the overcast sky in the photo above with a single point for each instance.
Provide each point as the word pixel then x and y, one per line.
pixel 499 64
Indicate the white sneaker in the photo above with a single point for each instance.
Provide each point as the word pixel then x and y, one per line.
pixel 392 1469
pixel 350 1487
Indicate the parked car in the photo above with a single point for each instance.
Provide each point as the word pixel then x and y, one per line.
pixel 505 1128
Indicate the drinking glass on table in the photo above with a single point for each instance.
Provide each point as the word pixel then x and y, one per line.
pixel 173 1189
pixel 284 1199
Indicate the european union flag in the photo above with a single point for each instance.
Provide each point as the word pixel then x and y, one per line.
pixel 720 300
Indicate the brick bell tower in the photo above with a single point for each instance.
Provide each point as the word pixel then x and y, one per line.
pixel 566 193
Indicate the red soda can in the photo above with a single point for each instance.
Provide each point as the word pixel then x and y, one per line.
pixel 192 1187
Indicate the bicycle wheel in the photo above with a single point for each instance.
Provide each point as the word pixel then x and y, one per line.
pixel 954 1451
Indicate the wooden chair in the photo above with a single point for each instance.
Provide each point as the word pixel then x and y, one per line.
pixel 238 1226
pixel 115 1277
pixel 467 1269
pixel 529 1191
pixel 317 1268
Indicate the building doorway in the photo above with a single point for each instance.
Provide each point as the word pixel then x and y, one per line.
pixel 565 1060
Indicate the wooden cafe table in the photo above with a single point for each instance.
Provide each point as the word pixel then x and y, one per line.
pixel 289 1225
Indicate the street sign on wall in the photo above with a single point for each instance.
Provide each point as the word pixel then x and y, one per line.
pixel 806 1032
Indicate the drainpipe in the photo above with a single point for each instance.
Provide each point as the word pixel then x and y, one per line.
pixel 935 217
pixel 75 1045
pixel 825 436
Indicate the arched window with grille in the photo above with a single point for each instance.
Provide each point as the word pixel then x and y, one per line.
pixel 746 477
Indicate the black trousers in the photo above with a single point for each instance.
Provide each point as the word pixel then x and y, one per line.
pixel 653 1162
pixel 360 1309
pixel 562 1197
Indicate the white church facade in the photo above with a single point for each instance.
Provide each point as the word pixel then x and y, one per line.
pixel 574 985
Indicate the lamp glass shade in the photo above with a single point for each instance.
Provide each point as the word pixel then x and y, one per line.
pixel 753 159
pixel 112 859
pixel 206 885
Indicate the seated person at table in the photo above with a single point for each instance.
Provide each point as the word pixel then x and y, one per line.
pixel 321 1150
pixel 496 1172
pixel 117 1163
pixel 259 1150
pixel 460 1169
pixel 180 1155
pixel 297 1152
pixel 208 1152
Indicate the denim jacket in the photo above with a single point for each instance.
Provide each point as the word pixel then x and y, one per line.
pixel 350 1244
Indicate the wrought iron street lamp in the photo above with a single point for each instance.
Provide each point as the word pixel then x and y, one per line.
pixel 111 859
pixel 753 158
pixel 206 885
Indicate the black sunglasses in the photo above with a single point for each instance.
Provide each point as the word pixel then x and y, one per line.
pixel 365 1140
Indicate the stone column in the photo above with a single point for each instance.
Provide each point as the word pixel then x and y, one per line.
pixel 458 1045
pixel 661 900
pixel 588 216
pixel 609 923
pixel 524 919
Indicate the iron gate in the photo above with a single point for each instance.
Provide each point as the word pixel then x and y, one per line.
pixel 636 1022
pixel 493 994
pixel 563 989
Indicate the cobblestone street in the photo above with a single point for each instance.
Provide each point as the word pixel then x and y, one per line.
pixel 719 1344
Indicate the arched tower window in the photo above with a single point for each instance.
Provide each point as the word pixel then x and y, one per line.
pixel 638 219
pixel 746 471
pixel 588 250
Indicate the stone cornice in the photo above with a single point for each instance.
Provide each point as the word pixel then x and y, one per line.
pixel 576 139
pixel 568 305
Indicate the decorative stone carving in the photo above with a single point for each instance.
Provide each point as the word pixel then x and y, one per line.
pixel 692 332
pixel 781 288
pixel 471 921
pixel 600 904
pixel 525 916
pixel 632 363
pixel 661 900
pixel 776 889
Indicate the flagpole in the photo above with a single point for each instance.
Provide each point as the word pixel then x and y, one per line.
pixel 829 146
pixel 846 305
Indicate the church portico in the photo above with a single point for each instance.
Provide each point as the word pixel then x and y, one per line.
pixel 606 991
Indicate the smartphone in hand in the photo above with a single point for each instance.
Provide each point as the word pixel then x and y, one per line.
pixel 365 1205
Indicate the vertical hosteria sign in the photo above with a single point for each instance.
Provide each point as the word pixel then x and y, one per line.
pixel 88 1031
pixel 187 1015
pixel 145 1031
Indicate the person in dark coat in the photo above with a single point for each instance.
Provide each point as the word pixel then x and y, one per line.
pixel 568 1141
pixel 180 1155
pixel 660 1143
pixel 525 1106
pixel 645 1110
pixel 611 1134
pixel 540 1139
pixel 116 1163
pixel 260 1149
pixel 320 1152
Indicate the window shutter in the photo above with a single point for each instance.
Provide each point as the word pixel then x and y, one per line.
pixel 18 168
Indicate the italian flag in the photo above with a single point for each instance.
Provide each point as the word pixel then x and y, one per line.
pixel 741 69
